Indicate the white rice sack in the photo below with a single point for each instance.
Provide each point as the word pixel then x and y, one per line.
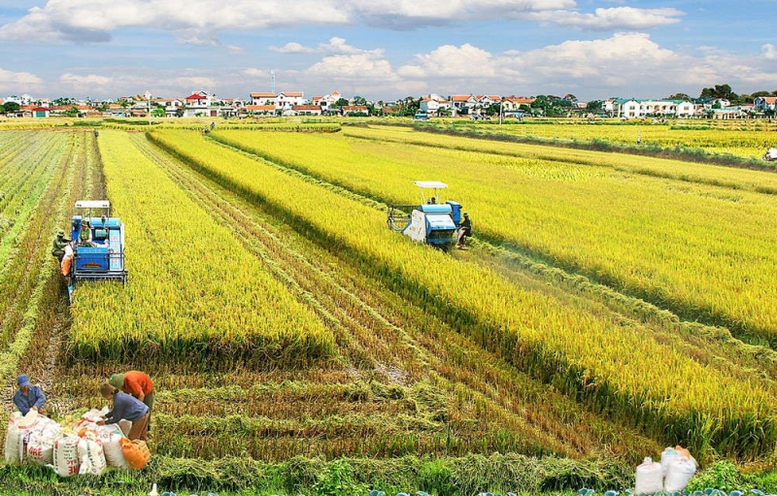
pixel 12 440
pixel 20 430
pixel 41 450
pixel 90 451
pixel 111 436
pixel 95 415
pixel 66 460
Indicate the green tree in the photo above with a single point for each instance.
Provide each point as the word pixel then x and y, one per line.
pixel 719 91
pixel 359 100
pixel 678 96
pixel 64 100
pixel 10 107
pixel 72 112
pixel 341 102
pixel 595 106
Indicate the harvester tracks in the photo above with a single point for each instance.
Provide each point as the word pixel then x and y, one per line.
pixel 383 334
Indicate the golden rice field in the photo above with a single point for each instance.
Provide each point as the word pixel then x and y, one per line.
pixel 743 140
pixel 609 305
pixel 529 329
pixel 195 292
pixel 650 237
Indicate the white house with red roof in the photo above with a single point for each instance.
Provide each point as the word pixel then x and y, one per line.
pixel 287 99
pixel 764 103
pixel 513 103
pixel 263 98
pixel 488 100
pixel 327 101
pixel 199 104
pixel 433 103
pixel 462 104
pixel 303 110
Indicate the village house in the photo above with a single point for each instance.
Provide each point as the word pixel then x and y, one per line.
pixel 287 99
pixel 355 109
pixel 462 104
pixel 513 103
pixel 764 103
pixel 262 98
pixel 198 104
pixel 432 104
pixel 327 101
pixel 636 108
pixel 303 110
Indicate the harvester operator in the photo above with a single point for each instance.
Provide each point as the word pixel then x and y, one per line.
pixel 85 236
pixel 136 384
pixel 28 397
pixel 465 230
pixel 58 245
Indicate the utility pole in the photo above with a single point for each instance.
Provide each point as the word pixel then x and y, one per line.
pixel 148 105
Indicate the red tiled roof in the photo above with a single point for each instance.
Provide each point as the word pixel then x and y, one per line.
pixel 40 109
pixel 305 107
pixel 195 96
pixel 771 100
pixel 354 107
pixel 460 98
pixel 260 94
pixel 292 94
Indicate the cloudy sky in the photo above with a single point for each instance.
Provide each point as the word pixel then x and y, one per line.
pixel 386 49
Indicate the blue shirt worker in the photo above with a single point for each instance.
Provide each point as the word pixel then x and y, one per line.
pixel 126 407
pixel 28 397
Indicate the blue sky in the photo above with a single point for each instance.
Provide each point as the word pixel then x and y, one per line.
pixel 386 49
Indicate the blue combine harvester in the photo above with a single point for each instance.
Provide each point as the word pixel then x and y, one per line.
pixel 432 222
pixel 97 243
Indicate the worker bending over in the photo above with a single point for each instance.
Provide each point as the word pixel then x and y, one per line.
pixel 465 230
pixel 28 397
pixel 138 385
pixel 126 407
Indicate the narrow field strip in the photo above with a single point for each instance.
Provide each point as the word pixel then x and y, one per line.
pixel 713 175
pixel 580 353
pixel 193 292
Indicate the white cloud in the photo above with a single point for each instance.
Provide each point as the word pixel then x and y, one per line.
pixel 405 14
pixel 19 82
pixel 615 18
pixel 75 81
pixel 292 47
pixel 466 61
pixel 199 22
pixel 626 64
pixel 235 49
pixel 769 51
pixel 192 21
